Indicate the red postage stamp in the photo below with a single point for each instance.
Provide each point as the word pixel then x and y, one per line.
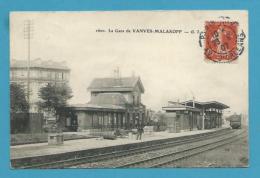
pixel 221 41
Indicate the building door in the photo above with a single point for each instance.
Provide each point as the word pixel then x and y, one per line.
pixel 74 123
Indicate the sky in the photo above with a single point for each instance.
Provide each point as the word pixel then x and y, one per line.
pixel 171 66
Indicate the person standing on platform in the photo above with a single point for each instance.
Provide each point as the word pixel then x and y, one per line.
pixel 140 131
pixel 137 132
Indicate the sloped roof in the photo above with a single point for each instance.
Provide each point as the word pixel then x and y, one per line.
pixel 91 107
pixel 176 106
pixel 109 99
pixel 105 101
pixel 39 63
pixel 116 84
pixel 207 104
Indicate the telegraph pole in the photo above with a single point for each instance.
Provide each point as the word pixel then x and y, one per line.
pixel 28 34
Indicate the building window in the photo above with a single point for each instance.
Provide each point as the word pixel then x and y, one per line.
pixel 109 119
pixel 59 75
pixel 15 74
pixel 48 74
pixel 20 73
pixel 105 119
pixel 33 74
pixel 100 120
pixel 52 75
pixel 68 121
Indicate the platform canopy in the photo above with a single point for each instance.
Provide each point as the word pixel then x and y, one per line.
pixel 176 106
pixel 205 105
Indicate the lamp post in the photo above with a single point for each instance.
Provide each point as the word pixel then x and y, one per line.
pixel 28 35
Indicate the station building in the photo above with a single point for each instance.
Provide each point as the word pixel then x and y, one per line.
pixel 115 104
pixel 192 115
pixel 41 72
pixel 35 75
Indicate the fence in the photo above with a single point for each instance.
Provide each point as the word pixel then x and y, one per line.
pixel 26 123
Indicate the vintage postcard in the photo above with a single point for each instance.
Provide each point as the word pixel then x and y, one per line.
pixel 129 89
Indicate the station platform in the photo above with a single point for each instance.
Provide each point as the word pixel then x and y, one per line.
pixel 43 149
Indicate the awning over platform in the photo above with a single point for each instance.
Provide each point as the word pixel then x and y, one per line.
pixel 206 105
pixel 175 106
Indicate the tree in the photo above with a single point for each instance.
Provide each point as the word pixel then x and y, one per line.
pixel 18 98
pixel 54 97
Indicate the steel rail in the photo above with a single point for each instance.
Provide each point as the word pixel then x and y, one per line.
pixel 124 153
pixel 117 158
pixel 203 150
pixel 177 155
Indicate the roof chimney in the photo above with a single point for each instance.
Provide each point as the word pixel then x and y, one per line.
pixel 116 73
pixel 117 77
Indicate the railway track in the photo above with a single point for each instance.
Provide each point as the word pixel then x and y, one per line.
pixel 97 160
pixel 169 158
pixel 166 155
